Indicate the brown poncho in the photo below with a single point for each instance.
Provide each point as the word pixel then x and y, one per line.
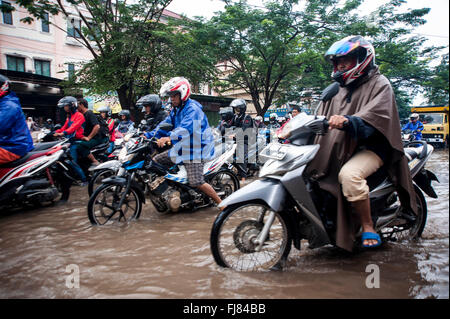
pixel 374 102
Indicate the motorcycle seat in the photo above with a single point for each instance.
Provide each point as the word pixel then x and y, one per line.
pixel 44 145
pixel 27 157
pixel 100 147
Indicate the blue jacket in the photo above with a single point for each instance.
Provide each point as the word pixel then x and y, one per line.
pixel 15 136
pixel 416 128
pixel 125 126
pixel 191 136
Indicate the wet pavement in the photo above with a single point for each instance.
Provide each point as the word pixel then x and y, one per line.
pixel 54 252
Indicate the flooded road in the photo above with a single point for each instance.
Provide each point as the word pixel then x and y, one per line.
pixel 44 251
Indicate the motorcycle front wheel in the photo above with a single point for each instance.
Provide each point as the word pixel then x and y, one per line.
pixel 233 234
pixel 103 205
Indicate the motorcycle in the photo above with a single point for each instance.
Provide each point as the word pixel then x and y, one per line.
pixel 121 197
pixel 254 162
pixel 30 180
pixel 116 158
pixel 408 136
pixel 261 221
pixel 64 169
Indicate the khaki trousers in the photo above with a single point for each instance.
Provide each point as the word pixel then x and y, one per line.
pixel 354 173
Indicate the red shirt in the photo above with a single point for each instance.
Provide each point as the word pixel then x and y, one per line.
pixel 73 124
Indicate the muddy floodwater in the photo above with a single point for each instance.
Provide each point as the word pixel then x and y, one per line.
pixel 44 251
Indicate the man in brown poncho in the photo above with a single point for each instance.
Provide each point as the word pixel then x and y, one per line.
pixel 364 135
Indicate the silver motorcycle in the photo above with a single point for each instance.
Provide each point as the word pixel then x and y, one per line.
pixel 262 220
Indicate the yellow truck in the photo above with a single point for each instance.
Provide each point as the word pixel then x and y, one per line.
pixel 435 123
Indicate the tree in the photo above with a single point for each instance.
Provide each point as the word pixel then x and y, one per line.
pixel 260 46
pixel 276 53
pixel 132 50
pixel 436 86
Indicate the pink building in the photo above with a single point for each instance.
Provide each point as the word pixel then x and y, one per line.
pixel 41 48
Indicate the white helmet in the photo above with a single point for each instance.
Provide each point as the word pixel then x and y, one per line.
pixel 414 116
pixel 176 85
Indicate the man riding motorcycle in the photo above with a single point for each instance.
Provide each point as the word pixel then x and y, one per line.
pixel 151 104
pixel 126 123
pixel 72 127
pixel 226 119
pixel 415 125
pixel 191 135
pixel 273 122
pixel 15 137
pixel 105 114
pixel 365 135
pixel 259 123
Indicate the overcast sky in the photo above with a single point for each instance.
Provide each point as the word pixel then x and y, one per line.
pixel 436 29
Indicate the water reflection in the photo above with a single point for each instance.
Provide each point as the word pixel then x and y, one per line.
pixel 169 257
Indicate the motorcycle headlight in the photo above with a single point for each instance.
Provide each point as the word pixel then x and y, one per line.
pixel 292 157
pixel 124 156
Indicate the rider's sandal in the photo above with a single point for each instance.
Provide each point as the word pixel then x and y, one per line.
pixel 369 236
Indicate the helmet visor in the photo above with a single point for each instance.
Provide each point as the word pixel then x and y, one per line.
pixel 341 48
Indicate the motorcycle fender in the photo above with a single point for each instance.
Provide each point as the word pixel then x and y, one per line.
pixel 107 165
pixel 270 191
pixel 116 180
pixel 423 179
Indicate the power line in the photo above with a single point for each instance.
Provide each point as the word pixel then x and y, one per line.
pixel 432 35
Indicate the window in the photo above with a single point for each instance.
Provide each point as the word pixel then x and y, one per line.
pixel 45 24
pixel 42 67
pixel 71 31
pixel 7 16
pixel 96 31
pixel 15 63
pixel 71 70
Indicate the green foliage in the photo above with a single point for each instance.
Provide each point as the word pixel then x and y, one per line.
pixel 133 52
pixel 277 53
pixel 437 85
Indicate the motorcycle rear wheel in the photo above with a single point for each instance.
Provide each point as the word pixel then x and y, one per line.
pixel 413 231
pixel 224 182
pixel 101 205
pixel 233 230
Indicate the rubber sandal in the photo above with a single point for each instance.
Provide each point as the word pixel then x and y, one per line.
pixel 373 236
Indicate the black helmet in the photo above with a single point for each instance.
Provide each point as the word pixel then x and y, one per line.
pixel 151 100
pixel 239 104
pixel 226 113
pixel 126 113
pixel 4 86
pixel 70 101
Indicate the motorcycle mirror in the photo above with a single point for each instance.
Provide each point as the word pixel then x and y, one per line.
pixel 329 92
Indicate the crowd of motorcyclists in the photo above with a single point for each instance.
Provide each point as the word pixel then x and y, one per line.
pixel 354 67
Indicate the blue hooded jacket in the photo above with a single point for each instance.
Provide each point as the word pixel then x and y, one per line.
pixel 191 136
pixel 417 128
pixel 15 136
